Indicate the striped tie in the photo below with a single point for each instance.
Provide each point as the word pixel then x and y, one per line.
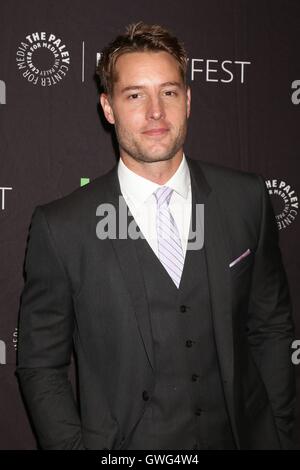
pixel 169 245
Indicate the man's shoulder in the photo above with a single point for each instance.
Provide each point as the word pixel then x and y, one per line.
pixel 226 180
pixel 214 171
pixel 82 199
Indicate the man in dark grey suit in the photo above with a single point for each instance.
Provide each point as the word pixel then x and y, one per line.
pixel 177 345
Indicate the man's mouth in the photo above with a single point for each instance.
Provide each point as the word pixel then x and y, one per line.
pixel 156 131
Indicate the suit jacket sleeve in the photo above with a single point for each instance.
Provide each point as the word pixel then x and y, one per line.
pixel 45 342
pixel 270 323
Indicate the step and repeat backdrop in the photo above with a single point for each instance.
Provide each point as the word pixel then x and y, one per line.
pixel 244 73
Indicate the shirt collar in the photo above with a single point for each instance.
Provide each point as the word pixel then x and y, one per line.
pixel 139 189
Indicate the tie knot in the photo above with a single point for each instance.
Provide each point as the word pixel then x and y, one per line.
pixel 163 195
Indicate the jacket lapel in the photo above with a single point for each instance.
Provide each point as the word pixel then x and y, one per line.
pixel 217 254
pixel 217 251
pixel 129 264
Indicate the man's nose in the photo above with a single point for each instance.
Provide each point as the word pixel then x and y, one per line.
pixel 156 109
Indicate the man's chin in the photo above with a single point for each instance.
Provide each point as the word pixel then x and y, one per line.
pixel 155 158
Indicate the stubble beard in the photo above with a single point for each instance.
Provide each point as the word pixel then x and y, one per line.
pixel 140 153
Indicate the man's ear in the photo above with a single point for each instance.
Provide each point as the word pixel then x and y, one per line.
pixel 107 109
pixel 188 101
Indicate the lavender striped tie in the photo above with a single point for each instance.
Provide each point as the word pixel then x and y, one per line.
pixel 169 245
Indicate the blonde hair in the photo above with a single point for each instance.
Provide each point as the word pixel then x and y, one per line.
pixel 139 37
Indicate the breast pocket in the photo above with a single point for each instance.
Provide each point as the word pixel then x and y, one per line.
pixel 242 265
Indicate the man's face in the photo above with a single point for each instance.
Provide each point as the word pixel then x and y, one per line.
pixel 149 107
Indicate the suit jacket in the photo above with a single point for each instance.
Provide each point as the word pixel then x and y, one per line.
pixel 88 293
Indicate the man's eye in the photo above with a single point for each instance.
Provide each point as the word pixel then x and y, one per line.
pixel 134 96
pixel 170 93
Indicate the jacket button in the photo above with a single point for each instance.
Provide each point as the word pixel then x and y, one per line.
pixel 195 377
pixel 189 343
pixel 183 308
pixel 145 395
pixel 198 411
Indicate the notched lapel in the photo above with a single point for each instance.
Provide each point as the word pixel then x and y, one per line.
pixel 133 278
pixel 217 256
pixel 129 264
pixel 217 252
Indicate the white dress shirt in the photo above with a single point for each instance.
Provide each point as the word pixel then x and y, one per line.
pixel 138 194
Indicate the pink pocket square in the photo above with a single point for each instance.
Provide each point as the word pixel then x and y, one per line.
pixel 243 255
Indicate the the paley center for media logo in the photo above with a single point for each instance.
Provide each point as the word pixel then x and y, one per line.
pixel 286 203
pixel 43 59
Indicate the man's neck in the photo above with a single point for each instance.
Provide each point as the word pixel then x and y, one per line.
pixel 158 172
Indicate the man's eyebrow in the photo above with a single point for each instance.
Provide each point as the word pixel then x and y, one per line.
pixel 178 84
pixel 142 87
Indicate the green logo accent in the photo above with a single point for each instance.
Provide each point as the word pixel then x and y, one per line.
pixel 84 181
